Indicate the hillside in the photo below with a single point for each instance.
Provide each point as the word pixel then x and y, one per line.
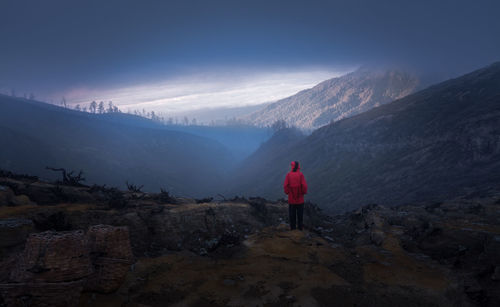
pixel 110 148
pixel 435 144
pixel 338 98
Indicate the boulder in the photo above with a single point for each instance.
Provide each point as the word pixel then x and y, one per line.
pixel 9 198
pixel 77 194
pixel 15 185
pixel 6 195
pixel 192 226
pixel 52 219
pixel 43 193
pixel 21 200
pixel 377 237
pixel 13 232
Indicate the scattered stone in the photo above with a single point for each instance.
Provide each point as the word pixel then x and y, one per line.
pixel 377 237
pixel 211 244
pixel 203 252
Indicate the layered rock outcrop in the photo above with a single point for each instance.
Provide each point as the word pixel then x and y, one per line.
pixel 55 267
pixel 461 235
pixel 436 254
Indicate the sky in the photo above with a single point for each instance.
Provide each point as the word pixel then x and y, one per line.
pixel 180 55
pixel 182 94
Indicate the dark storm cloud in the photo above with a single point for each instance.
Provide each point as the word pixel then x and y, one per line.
pixel 49 45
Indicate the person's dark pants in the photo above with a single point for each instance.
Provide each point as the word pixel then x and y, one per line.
pixel 296 213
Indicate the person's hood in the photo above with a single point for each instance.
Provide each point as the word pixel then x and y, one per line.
pixel 292 165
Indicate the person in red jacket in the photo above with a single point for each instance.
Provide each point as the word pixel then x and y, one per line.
pixel 295 187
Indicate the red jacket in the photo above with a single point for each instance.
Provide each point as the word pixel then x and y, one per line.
pixel 295 187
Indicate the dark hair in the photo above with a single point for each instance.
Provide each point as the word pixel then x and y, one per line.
pixel 296 166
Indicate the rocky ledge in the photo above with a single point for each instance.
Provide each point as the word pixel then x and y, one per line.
pixel 157 250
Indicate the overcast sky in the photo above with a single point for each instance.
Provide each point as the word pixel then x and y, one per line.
pixel 182 54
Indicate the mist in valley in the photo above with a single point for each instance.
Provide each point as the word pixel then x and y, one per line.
pixel 113 148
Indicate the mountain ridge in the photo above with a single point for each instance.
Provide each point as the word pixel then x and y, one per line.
pixel 434 144
pixel 338 98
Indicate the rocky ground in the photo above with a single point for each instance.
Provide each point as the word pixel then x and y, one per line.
pixel 239 252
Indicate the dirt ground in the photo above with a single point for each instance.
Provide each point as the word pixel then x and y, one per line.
pixel 278 267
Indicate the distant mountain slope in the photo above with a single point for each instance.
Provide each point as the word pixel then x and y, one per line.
pixel 438 143
pixel 220 115
pixel 109 148
pixel 239 140
pixel 338 98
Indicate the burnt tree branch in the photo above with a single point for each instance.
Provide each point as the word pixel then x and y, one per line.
pixel 67 177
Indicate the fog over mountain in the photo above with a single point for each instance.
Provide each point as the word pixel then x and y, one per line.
pixel 338 98
pixel 438 143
